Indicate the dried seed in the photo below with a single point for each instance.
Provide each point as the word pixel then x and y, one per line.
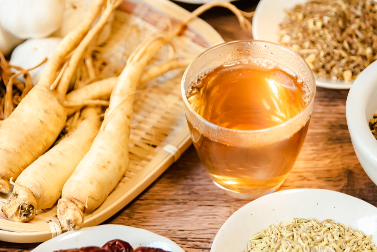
pixel 285 39
pixel 369 52
pixel 373 125
pixel 311 58
pixel 309 235
pixel 295 47
pixel 328 249
pixel 347 75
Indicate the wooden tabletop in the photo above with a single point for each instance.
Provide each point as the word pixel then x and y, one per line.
pixel 186 207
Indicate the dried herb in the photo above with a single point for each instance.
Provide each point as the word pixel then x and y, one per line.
pixel 310 235
pixel 336 38
pixel 373 125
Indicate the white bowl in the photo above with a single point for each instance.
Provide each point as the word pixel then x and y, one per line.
pixel 361 104
pixel 99 235
pixel 267 17
pixel 321 204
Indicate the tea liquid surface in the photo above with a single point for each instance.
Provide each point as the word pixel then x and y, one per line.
pixel 248 97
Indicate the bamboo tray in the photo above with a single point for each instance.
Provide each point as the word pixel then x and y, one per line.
pixel 159 130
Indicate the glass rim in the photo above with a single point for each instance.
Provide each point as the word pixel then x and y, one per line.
pixel 215 126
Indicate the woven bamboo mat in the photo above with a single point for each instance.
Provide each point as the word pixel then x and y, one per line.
pixel 159 131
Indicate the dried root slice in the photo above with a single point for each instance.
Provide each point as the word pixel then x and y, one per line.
pixel 21 206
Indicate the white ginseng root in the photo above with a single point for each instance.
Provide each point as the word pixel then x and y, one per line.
pixel 40 185
pixel 104 165
pixel 37 121
pixel 107 160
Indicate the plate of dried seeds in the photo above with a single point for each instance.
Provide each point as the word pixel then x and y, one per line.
pixel 336 38
pixel 302 219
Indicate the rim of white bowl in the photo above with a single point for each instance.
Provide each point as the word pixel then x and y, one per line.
pixel 358 97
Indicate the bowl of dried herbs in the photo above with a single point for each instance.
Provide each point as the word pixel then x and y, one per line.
pixel 315 220
pixel 336 38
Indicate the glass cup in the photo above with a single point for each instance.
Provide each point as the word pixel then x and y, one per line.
pixel 248 164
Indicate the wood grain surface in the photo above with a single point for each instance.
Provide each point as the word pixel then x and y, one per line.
pixel 186 207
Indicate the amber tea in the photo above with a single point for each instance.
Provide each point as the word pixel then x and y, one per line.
pixel 248 120
pixel 248 97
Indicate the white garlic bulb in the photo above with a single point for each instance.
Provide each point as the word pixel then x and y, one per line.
pixel 31 18
pixel 32 52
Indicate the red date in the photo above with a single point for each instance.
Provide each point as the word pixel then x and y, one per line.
pixel 118 246
pixel 145 249
pixel 114 246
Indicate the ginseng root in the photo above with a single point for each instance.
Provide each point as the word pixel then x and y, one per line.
pixel 40 185
pixel 38 120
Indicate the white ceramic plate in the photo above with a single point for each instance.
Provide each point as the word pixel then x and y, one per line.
pixel 98 236
pixel 285 205
pixel 267 17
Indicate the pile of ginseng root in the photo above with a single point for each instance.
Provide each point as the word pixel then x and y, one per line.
pixel 67 140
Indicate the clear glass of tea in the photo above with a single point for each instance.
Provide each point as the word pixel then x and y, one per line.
pixel 248 106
